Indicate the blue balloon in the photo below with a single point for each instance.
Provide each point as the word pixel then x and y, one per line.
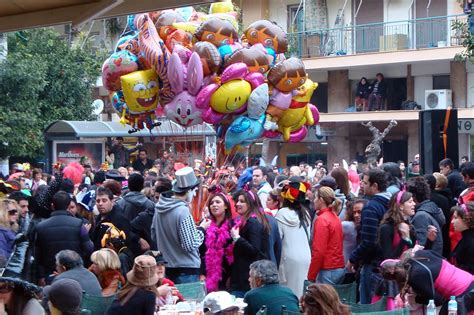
pixel 243 131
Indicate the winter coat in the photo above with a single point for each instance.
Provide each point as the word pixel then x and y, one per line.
pixel 363 90
pixel 455 183
pixel 463 254
pixel 133 203
pixel 379 88
pixel 118 220
pixel 326 249
pixel 141 226
pixel 296 251
pixel 250 247
pixel 7 238
pixel 428 213
pixel 391 242
pixel 274 241
pixel 439 197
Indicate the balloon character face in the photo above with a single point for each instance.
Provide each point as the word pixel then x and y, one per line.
pixel 255 58
pixel 183 111
pixel 268 34
pixel 140 90
pixel 165 21
pixel 287 75
pixel 231 96
pixel 210 58
pixel 218 32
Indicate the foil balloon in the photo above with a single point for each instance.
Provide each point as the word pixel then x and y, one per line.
pixel 164 23
pixel 229 94
pixel 217 32
pixel 210 58
pixel 258 102
pixel 243 131
pixel 255 57
pixel 155 52
pixel 118 64
pixel 298 114
pixel 185 82
pixel 287 75
pixel 140 91
pixel 269 34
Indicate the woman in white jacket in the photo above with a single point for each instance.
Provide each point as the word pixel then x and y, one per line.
pixel 294 227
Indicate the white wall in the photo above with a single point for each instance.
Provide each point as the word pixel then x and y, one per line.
pixel 440 67
pixel 422 83
pixel 396 10
pixel 454 7
pixel 333 9
pixel 470 89
pixel 279 13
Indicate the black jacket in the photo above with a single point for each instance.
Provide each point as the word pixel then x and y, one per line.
pixel 61 231
pixel 455 183
pixel 380 88
pixel 444 203
pixel 141 226
pixel 428 213
pixel 363 90
pixel 464 251
pixel 386 241
pixel 139 166
pixel 251 246
pixel 116 219
pixel 133 203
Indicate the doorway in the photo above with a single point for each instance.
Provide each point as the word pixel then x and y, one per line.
pixel 395 150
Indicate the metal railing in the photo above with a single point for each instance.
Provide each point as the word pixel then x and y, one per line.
pixel 377 37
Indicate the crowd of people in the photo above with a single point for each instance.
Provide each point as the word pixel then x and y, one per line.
pixel 134 232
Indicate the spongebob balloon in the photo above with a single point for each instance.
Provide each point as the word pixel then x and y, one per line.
pixel 140 91
pixel 294 120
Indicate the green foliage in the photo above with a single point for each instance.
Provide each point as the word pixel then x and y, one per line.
pixel 42 80
pixel 466 40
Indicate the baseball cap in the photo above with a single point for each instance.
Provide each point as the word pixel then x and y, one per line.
pixel 64 294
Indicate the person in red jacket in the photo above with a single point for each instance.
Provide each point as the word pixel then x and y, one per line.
pixel 327 259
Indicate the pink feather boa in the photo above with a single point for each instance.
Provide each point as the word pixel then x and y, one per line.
pixel 218 246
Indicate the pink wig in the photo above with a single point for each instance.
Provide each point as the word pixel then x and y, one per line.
pixel 74 172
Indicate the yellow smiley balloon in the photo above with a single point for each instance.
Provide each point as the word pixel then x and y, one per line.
pixel 231 96
pixel 140 90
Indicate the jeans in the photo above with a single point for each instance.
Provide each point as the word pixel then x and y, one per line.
pixel 183 278
pixel 330 276
pixel 368 283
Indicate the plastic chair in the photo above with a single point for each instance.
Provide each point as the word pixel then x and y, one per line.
pixel 404 311
pixel 95 305
pixel 192 291
pixel 379 306
pixel 262 310
pixel 347 292
pixel 284 311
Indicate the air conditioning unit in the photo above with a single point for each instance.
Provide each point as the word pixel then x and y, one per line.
pixel 438 99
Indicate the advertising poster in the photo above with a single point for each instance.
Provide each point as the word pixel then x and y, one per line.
pixel 66 152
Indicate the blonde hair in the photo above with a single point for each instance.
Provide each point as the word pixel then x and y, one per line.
pixel 106 259
pixel 441 180
pixel 329 197
pixel 4 217
pixel 295 170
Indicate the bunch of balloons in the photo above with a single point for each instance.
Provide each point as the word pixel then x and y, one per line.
pixel 195 68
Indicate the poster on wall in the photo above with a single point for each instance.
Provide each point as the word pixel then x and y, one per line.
pixel 66 152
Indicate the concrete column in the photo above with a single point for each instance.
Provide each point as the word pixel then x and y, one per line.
pixel 339 96
pixel 254 10
pixel 464 146
pixel 410 85
pixel 458 82
pixel 338 148
pixel 413 140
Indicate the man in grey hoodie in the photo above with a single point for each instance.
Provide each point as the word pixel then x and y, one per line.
pixel 174 231
pixel 427 214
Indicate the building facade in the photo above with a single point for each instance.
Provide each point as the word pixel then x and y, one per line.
pixel 411 42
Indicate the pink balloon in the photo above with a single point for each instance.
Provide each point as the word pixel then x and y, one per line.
pixel 118 64
pixel 255 79
pixel 204 96
pixel 234 71
pixel 315 112
pixel 270 134
pixel 298 135
pixel 212 117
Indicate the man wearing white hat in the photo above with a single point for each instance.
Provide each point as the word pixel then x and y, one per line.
pixel 174 230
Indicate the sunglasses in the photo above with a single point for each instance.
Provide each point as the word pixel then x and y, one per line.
pixel 12 212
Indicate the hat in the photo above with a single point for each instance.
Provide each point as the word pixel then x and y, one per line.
pixel 28 288
pixel 327 181
pixel 64 294
pixel 295 191
pixel 115 175
pixel 160 260
pixel 84 198
pixel 220 301
pixel 185 180
pixel 143 273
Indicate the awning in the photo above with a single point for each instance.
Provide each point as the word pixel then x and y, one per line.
pixel 99 129
pixel 22 14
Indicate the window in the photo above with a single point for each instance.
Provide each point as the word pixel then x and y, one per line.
pixel 441 82
pixel 295 18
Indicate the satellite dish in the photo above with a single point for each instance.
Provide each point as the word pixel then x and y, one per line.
pixel 97 106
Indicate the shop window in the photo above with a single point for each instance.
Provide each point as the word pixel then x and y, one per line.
pixel 320 97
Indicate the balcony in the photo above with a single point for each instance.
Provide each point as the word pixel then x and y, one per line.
pixel 405 35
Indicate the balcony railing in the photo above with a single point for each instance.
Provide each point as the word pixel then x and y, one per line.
pixel 377 37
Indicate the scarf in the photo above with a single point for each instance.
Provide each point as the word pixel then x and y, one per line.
pixel 217 243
